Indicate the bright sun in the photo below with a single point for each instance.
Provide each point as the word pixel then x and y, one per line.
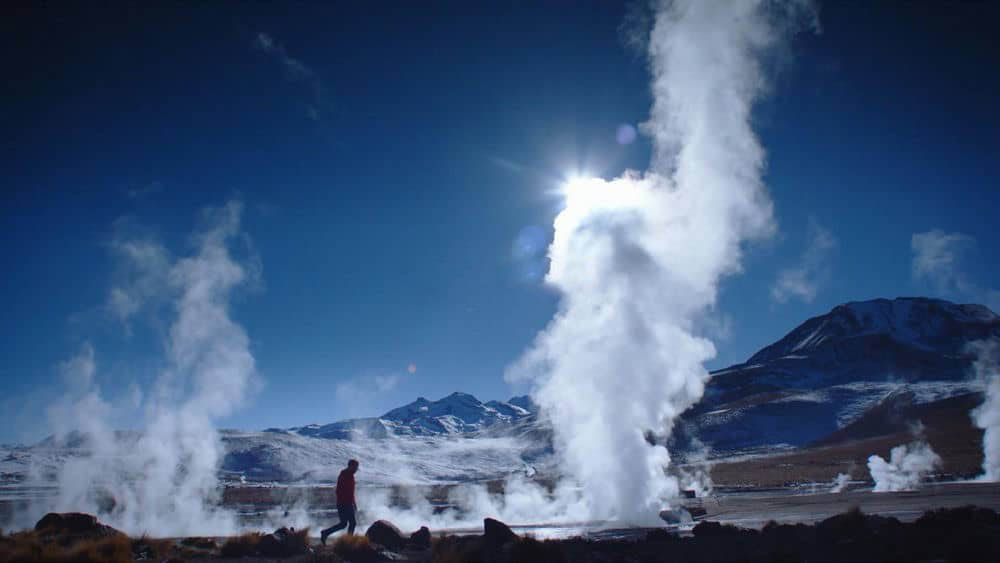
pixel 585 194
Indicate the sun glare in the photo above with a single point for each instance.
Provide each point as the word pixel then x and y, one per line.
pixel 590 193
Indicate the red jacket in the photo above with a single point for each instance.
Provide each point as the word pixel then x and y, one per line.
pixel 345 487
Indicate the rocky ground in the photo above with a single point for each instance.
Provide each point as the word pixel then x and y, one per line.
pixel 770 507
pixel 948 534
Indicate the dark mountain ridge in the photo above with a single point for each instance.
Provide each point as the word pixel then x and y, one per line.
pixel 832 368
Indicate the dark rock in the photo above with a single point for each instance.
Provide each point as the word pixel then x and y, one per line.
pixel 710 529
pixel 269 546
pixel 70 522
pixel 660 535
pixel 530 550
pixel 284 542
pixel 386 534
pixel 421 538
pixel 854 524
pixel 75 524
pixel 496 532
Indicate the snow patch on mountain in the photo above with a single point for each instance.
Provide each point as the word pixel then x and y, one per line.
pixel 831 369
pixel 261 456
pixel 918 322
pixel 458 413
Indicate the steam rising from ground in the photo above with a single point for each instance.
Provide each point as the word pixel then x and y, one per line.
pixel 162 480
pixel 907 466
pixel 638 259
pixel 987 415
pixel 840 483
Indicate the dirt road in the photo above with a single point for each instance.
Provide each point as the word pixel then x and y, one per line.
pixel 755 509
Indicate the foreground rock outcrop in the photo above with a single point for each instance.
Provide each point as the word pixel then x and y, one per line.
pixel 386 534
pixel 421 539
pixel 961 534
pixel 958 534
pixel 73 524
pixel 496 533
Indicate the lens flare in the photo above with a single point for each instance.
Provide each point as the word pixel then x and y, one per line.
pixel 585 195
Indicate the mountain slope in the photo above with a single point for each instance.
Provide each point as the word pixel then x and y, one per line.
pixel 831 369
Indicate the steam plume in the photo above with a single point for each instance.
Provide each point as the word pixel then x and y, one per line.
pixel 840 483
pixel 638 259
pixel 907 466
pixel 987 415
pixel 163 480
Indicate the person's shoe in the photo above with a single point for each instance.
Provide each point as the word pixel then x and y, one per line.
pixel 322 537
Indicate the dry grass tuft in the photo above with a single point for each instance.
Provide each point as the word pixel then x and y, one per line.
pixel 456 549
pixel 241 546
pixel 113 548
pixel 29 546
pixel 151 548
pixel 298 540
pixel 199 543
pixel 355 548
pixel 284 543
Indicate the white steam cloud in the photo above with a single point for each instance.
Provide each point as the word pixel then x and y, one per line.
pixel 294 68
pixel 638 259
pixel 940 259
pixel 907 466
pixel 987 415
pixel 804 280
pixel 162 480
pixel 840 483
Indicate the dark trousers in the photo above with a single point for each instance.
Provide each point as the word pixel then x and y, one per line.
pixel 346 513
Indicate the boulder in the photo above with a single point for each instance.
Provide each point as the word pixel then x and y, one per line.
pixel 496 532
pixel 284 542
pixel 421 538
pixel 386 534
pixel 73 523
pixel 69 522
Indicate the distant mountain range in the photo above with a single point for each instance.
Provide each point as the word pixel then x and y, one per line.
pixel 831 378
pixel 458 413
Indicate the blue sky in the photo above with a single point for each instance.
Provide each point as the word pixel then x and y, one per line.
pixel 397 167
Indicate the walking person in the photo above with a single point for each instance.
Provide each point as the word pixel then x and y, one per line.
pixel 347 508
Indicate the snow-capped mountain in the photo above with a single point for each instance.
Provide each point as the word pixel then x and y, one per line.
pixel 832 368
pixel 458 413
pixel 457 438
pixel 809 387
